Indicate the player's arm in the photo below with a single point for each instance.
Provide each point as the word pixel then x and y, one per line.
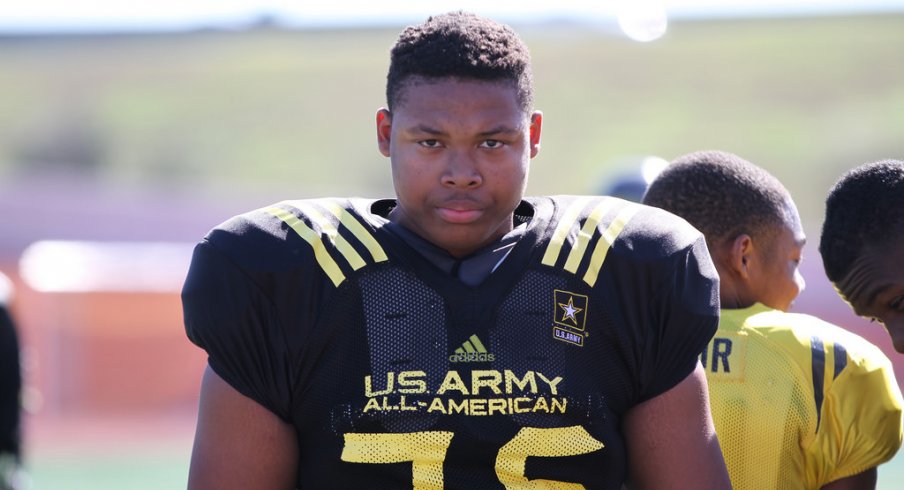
pixel 863 481
pixel 672 441
pixel 239 444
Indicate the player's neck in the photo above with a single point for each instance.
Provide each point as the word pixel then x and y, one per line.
pixel 733 298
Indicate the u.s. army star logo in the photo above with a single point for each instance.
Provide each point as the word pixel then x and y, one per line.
pixel 569 317
pixel 571 309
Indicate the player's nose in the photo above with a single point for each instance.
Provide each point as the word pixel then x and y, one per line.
pixel 461 170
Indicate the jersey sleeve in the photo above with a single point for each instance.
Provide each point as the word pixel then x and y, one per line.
pixel 688 316
pixel 860 425
pixel 676 291
pixel 230 317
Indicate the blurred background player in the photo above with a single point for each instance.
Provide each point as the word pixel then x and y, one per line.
pixel 862 243
pixel 797 402
pixel 10 394
pixel 632 183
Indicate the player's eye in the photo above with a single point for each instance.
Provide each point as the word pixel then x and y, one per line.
pixel 429 143
pixel 492 144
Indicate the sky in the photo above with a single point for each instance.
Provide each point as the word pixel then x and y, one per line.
pixel 25 16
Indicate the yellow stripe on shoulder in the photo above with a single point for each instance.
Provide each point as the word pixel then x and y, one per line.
pixel 586 234
pixel 569 218
pixel 329 266
pixel 355 227
pixel 330 231
pixel 606 240
pixel 326 229
pixel 593 226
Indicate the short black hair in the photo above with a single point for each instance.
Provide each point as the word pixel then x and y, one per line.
pixel 720 194
pixel 865 208
pixel 460 45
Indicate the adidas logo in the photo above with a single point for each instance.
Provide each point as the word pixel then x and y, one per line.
pixel 472 350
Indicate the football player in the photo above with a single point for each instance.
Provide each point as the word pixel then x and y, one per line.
pixel 458 335
pixel 862 243
pixel 797 402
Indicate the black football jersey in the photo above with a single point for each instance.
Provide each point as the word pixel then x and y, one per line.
pixel 397 375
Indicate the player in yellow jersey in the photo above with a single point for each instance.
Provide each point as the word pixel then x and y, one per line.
pixel 797 402
pixel 862 243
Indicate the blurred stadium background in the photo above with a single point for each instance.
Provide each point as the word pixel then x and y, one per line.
pixel 119 150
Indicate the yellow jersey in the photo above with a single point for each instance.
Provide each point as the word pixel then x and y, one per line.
pixel 798 402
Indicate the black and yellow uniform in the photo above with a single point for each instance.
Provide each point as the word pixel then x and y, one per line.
pixel 396 374
pixel 798 402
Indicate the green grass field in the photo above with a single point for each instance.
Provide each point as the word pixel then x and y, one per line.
pixel 290 113
pixel 136 470
pixel 107 452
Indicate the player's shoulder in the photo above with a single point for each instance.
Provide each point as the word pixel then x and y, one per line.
pixel 807 334
pixel 273 217
pixel 645 231
pixel 298 229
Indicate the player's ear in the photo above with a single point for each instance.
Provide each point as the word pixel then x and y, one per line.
pixel 536 124
pixel 741 255
pixel 384 130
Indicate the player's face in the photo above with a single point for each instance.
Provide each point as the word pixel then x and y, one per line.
pixel 875 289
pixel 778 282
pixel 460 152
